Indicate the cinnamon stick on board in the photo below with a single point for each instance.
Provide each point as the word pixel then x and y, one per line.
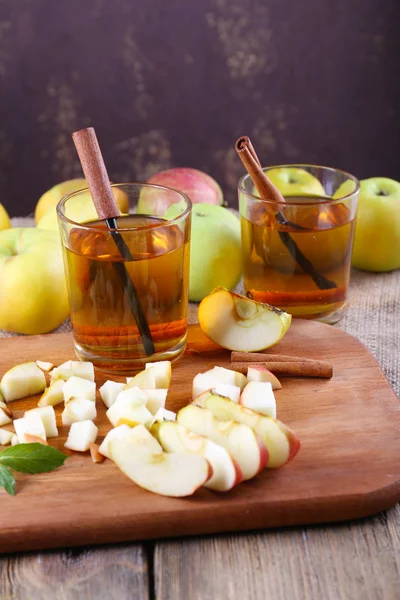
pixel 299 368
pixel 256 357
pixel 268 191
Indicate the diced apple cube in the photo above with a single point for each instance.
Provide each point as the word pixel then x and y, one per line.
pixel 156 399
pixel 22 381
pixel 229 391
pixel 162 373
pixel 4 418
pixel 228 376
pixel 127 411
pixel 45 366
pixel 135 395
pixel 81 435
pixel 33 425
pixel 77 387
pixel 144 380
pixel 53 395
pixel 260 373
pixel 5 437
pixel 258 396
pixel 74 368
pixel 109 392
pixel 48 416
pixel 78 409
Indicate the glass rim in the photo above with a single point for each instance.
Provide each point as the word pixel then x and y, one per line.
pixel 302 166
pixel 165 222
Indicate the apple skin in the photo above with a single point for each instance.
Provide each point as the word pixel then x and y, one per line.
pixel 34 297
pixel 5 222
pixel 293 181
pixel 377 235
pixel 52 197
pixel 215 250
pixel 200 187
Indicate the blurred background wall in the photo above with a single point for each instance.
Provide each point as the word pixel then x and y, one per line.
pixel 175 82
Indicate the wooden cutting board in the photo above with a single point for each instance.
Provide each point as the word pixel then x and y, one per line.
pixel 348 466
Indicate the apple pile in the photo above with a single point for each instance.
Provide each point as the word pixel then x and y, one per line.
pixel 227 434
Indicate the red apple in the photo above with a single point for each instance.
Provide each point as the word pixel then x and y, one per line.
pixel 200 187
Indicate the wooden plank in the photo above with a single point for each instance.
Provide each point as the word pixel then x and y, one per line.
pixel 348 466
pixel 113 573
pixel 357 561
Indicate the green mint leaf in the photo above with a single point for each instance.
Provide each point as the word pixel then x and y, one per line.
pixel 32 458
pixel 7 480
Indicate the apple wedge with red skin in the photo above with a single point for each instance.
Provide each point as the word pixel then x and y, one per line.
pixel 260 373
pixel 177 438
pixel 281 442
pixel 240 441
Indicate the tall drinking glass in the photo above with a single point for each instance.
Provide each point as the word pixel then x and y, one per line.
pixel 109 287
pixel 297 254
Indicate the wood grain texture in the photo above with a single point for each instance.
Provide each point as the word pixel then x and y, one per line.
pixel 115 573
pixel 348 466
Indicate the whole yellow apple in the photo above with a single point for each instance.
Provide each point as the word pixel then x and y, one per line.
pixel 79 208
pixel 5 222
pixel 33 297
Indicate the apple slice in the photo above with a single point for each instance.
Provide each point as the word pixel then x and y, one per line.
pixel 156 399
pixel 95 454
pixel 78 387
pixel 78 409
pixel 238 323
pixel 81 435
pixel 109 392
pixel 281 442
pixel 144 380
pixel 161 415
pixel 260 373
pixel 5 437
pixel 239 440
pixel 127 410
pixel 72 368
pixel 53 395
pixel 162 373
pixel 5 419
pixel 45 366
pixel 175 475
pixel 258 396
pixel 48 417
pixel 33 425
pixel 22 381
pixel 120 432
pixel 176 438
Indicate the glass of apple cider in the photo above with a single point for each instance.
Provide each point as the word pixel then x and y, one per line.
pixel 154 228
pixel 297 253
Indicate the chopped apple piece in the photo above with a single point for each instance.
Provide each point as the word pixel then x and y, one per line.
pixel 162 373
pixel 237 323
pixel 135 395
pixel 120 432
pixel 14 440
pixel 260 373
pixel 156 399
pixel 48 417
pixel 53 395
pixel 4 417
pixel 78 409
pixel 45 366
pixel 34 439
pixel 95 454
pixel 229 391
pixel 78 387
pixel 22 381
pixel 258 396
pixel 109 392
pixel 239 440
pixel 281 442
pixel 145 380
pixel 127 410
pixel 6 409
pixel 161 415
pixel 74 368
pixel 176 438
pixel 123 432
pixel 33 425
pixel 175 475
pixel 5 437
pixel 81 435
pixel 216 376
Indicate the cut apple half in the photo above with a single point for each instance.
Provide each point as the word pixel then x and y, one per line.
pixel 176 438
pixel 239 440
pixel 79 387
pixel 53 395
pixel 281 442
pixel 144 380
pixel 175 475
pixel 5 437
pixel 78 409
pixel 260 373
pixel 162 373
pixel 258 396
pixel 109 392
pixel 48 417
pixel 22 381
pixel 81 435
pixel 237 323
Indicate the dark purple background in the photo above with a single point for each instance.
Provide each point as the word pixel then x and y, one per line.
pixel 175 82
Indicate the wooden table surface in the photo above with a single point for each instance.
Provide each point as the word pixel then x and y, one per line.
pixel 350 561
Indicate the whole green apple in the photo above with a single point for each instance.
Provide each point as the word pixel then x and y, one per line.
pixel 215 250
pixel 294 181
pixel 377 235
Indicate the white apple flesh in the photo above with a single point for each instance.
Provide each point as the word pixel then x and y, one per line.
pixel 81 435
pixel 109 392
pixel 5 419
pixel 128 411
pixel 95 454
pixel 258 396
pixel 161 415
pixel 5 437
pixel 71 368
pixel 229 391
pixel 44 365
pixel 22 381
pixel 48 417
pixel 32 425
pixel 121 432
pixel 156 399
pixel 260 373
pixel 53 395
pixel 78 387
pixel 239 440
pixel 78 409
pixel 215 376
pixel 238 323
pixel 162 373
pixel 144 380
